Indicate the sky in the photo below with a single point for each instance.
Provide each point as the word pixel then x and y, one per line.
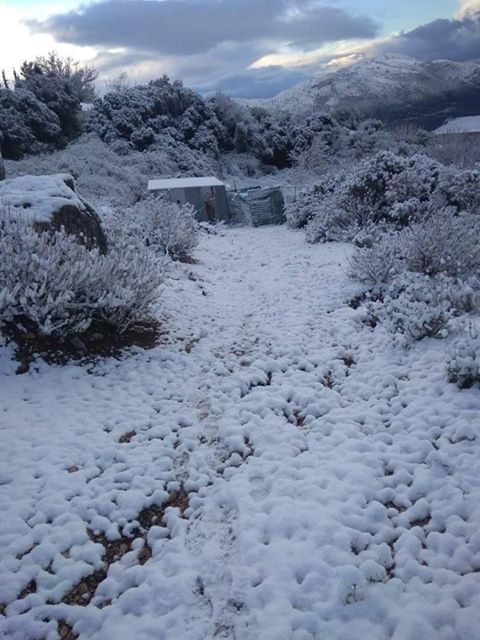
pixel 247 48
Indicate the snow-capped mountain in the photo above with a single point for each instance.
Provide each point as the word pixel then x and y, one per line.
pixel 395 88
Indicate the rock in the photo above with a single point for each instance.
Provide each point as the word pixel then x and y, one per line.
pixel 50 203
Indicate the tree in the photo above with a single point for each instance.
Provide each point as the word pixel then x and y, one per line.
pixel 80 78
pixel 62 85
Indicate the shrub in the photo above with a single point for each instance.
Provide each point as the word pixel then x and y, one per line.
pixel 376 264
pixel 445 243
pixel 463 364
pixel 27 124
pixel 416 307
pixel 167 227
pixel 305 207
pixel 52 285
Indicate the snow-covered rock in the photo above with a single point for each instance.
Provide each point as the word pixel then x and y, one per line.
pixel 51 202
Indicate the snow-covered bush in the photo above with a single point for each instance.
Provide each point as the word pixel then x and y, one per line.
pixel 163 113
pixel 330 224
pixel 106 176
pixel 459 189
pixel 42 111
pixel 444 243
pixel 28 125
pixel 376 264
pixel 305 206
pixel 415 307
pixel 384 190
pixel 52 285
pixel 166 226
pixel 463 363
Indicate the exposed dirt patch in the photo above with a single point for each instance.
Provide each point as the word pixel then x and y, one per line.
pixel 100 340
pixel 114 550
pixel 26 591
pixel 65 631
pixel 329 380
pixel 422 522
pixel 295 418
pixel 348 360
pixel 126 437
pixel 83 592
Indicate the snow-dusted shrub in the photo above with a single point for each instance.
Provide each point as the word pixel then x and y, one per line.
pixel 416 307
pixel 306 205
pixel 167 226
pixel 463 362
pixel 385 189
pixel 444 243
pixel 330 224
pixel 459 189
pixel 376 264
pixel 27 124
pixel 52 285
pixel 104 175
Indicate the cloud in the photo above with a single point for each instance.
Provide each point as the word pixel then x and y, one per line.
pixel 468 7
pixel 254 83
pixel 456 39
pixel 187 27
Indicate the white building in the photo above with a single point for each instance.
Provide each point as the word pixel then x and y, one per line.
pixel 208 195
pixel 468 125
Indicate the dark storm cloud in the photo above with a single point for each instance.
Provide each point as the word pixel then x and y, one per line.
pixel 186 27
pixel 457 39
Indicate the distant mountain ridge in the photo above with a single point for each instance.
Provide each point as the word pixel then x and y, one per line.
pixel 394 88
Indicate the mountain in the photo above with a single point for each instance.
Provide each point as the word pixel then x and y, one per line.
pixel 393 88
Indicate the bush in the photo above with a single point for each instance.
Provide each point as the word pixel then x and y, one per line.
pixel 416 307
pixel 463 364
pixel 385 190
pixel 114 175
pixel 52 285
pixel 167 227
pixel 445 243
pixel 28 125
pixel 376 264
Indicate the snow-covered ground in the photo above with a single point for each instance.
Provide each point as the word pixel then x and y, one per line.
pixel 333 479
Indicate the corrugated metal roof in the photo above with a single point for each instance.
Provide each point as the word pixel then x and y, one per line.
pixel 183 183
pixel 468 124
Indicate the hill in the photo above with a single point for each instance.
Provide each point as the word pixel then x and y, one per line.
pixel 394 88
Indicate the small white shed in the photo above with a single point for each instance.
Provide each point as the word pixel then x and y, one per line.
pixel 468 125
pixel 207 194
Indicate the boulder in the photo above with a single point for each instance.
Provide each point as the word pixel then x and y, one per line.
pixel 50 203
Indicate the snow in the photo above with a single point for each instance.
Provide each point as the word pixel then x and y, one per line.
pixel 37 198
pixel 468 124
pixel 333 478
pixel 397 79
pixel 183 183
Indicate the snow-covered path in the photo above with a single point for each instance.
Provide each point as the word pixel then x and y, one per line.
pixel 275 470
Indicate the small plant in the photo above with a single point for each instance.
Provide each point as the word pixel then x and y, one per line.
pixel 167 227
pixel 445 243
pixel 53 287
pixel 463 363
pixel 417 308
pixel 377 264
pixel 412 306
